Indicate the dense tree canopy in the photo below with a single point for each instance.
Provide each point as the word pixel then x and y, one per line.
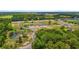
pixel 56 39
pixel 5 25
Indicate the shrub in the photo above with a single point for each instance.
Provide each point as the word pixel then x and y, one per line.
pixel 9 44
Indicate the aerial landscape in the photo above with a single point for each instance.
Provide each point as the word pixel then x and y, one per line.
pixel 39 30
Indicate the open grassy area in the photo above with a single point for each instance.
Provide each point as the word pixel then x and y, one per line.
pixel 6 16
pixel 73 21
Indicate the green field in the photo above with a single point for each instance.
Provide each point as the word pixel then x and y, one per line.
pixel 7 16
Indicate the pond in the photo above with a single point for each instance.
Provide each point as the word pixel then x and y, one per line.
pixel 14 35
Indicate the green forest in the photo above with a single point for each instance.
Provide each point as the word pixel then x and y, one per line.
pixel 56 38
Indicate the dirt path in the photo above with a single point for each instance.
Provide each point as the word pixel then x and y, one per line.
pixel 28 45
pixel 32 36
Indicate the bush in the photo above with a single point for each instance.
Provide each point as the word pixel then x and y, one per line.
pixel 9 44
pixel 61 45
pixel 38 44
pixel 49 45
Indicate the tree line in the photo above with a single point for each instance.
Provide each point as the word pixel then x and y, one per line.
pixel 21 17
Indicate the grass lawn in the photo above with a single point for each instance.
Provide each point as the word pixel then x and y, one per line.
pixel 8 16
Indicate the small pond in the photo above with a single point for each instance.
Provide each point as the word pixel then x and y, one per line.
pixel 14 35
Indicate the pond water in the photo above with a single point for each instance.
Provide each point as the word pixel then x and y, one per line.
pixel 14 35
